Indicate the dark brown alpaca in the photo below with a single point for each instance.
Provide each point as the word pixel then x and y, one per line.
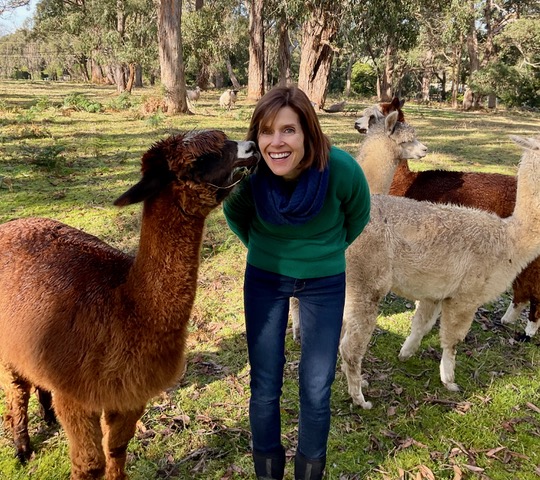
pixel 101 330
pixel 492 192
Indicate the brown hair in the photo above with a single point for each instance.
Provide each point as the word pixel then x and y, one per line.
pixel 316 143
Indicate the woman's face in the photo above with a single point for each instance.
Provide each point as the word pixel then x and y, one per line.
pixel 282 144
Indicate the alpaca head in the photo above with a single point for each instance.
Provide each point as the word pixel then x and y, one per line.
pixel 369 117
pixel 403 145
pixel 200 168
pixel 373 114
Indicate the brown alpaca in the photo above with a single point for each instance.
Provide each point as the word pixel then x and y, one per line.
pixel 101 330
pixel 492 192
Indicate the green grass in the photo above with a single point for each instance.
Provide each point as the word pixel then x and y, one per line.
pixel 70 164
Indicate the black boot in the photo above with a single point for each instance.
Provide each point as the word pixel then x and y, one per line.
pixel 306 469
pixel 269 465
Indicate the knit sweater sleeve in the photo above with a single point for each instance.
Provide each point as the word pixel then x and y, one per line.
pixel 239 211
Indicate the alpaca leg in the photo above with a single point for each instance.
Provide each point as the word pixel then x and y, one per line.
pixel 456 320
pixel 534 319
pixel 424 318
pixel 513 312
pixel 295 315
pixel 46 411
pixel 17 392
pixel 360 319
pixel 83 430
pixel 118 430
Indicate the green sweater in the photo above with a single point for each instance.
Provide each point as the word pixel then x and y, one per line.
pixel 317 247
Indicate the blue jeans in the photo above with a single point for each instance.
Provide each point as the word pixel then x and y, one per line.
pixel 266 303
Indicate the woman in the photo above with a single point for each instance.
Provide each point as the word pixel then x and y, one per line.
pixel 297 214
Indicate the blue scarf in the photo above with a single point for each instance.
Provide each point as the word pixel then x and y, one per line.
pixel 278 204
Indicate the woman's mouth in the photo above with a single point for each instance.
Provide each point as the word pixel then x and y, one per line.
pixel 279 156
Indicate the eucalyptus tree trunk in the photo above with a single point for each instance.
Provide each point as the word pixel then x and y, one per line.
pixel 284 51
pixel 387 77
pixel 118 68
pixel 119 77
pixel 427 73
pixel 232 76
pixel 456 70
pixel 318 33
pixel 348 80
pixel 255 88
pixel 170 56
pixel 138 76
pixel 131 77
pixel 489 47
pixel 472 48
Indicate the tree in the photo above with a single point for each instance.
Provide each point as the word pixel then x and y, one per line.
pixel 318 34
pixel 170 56
pixel 256 51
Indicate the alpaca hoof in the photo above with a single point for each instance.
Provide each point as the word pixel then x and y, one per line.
pixel 523 337
pixel 404 356
pixel 23 455
pixel 452 387
pixel 363 403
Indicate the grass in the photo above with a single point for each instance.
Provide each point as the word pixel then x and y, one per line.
pixel 59 160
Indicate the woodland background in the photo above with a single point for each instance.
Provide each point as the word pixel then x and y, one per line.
pixel 419 49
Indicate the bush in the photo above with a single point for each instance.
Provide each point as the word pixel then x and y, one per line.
pixel 515 87
pixel 363 79
pixel 124 101
pixel 80 102
pixel 49 157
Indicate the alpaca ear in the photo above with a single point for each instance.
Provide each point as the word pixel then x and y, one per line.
pixel 390 122
pixel 151 183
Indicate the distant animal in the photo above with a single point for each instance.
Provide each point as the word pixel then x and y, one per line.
pixel 102 330
pixel 228 99
pixel 194 95
pixel 451 258
pixel 336 107
pixel 492 192
pixel 468 99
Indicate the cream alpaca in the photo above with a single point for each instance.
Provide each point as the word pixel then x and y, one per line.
pixel 451 258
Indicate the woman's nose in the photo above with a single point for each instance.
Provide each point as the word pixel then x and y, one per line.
pixel 276 139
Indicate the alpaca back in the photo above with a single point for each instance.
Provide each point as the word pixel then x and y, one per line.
pixel 492 192
pixel 433 251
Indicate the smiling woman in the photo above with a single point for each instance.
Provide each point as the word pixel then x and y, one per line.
pixel 296 214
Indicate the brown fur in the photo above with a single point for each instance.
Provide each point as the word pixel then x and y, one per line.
pixel 492 192
pixel 102 330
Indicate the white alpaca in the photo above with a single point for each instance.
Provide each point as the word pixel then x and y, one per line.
pixel 451 258
pixel 228 99
pixel 387 143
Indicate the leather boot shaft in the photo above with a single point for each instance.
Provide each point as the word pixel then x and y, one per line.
pixel 269 465
pixel 308 469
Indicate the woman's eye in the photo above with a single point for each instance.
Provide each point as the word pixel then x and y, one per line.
pixel 266 131
pixel 289 130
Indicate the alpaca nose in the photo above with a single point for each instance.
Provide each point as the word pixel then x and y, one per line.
pixel 251 147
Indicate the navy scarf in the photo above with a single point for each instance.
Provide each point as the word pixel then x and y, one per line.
pixel 277 203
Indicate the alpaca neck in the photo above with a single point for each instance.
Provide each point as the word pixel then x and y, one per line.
pixel 526 216
pixel 164 274
pixel 379 165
